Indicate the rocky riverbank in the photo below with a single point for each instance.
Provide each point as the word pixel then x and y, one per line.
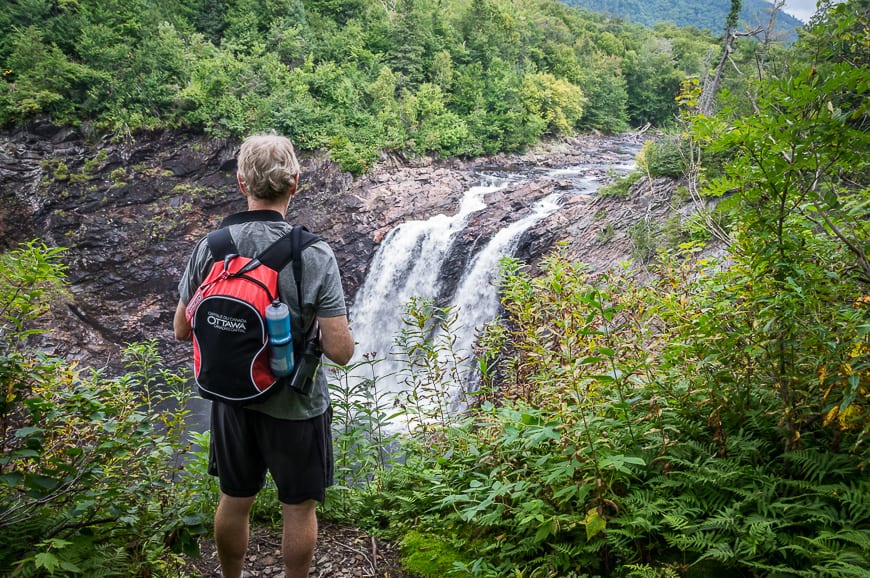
pixel 130 209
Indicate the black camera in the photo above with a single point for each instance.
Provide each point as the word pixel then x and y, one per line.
pixel 302 380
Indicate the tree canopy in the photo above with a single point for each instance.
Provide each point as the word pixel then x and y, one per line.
pixel 460 77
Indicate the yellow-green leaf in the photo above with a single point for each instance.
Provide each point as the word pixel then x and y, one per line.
pixel 595 524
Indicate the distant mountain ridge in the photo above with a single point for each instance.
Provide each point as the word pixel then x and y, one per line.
pixel 708 15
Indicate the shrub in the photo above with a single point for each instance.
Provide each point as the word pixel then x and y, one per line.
pixel 644 243
pixel 630 438
pixel 665 157
pixel 92 475
pixel 621 185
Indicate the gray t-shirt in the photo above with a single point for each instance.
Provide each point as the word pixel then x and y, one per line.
pixel 322 296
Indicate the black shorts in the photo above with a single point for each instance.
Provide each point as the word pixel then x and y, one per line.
pixel 246 443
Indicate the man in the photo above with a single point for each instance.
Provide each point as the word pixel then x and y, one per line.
pixel 288 434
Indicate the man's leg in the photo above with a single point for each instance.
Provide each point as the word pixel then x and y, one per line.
pixel 231 530
pixel 300 537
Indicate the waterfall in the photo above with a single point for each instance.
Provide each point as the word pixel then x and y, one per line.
pixel 476 297
pixel 407 265
pixel 409 262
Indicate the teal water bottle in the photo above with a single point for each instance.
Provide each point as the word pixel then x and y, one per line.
pixel 280 338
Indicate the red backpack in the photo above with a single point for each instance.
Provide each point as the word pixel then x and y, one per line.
pixel 227 316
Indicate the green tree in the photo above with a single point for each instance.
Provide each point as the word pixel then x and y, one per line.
pixel 556 102
pixel 604 87
pixel 390 118
pixel 489 32
pixel 339 10
pixel 244 27
pixel 652 82
pixel 509 124
pixel 209 18
pixel 433 128
pixel 16 16
pixel 802 199
pixel 159 71
pixel 41 79
pixel 289 34
pixel 410 51
pixel 231 67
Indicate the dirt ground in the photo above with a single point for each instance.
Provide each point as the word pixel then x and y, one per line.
pixel 341 552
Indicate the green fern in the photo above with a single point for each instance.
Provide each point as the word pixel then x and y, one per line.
pixel 822 466
pixel 647 571
pixel 855 500
pixel 105 560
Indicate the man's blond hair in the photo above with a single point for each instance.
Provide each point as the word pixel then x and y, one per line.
pixel 267 166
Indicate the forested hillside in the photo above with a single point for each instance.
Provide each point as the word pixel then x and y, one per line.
pixel 709 15
pixel 354 77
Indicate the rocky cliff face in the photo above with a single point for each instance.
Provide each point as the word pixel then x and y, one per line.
pixel 130 210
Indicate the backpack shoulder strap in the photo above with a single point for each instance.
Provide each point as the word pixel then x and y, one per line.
pixel 221 244
pixel 289 248
pixel 301 238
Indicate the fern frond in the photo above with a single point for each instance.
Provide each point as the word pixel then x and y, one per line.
pixel 833 545
pixel 104 561
pixel 841 569
pixel 856 502
pixel 821 466
pixel 727 520
pixel 697 542
pixel 572 550
pixel 647 571
pixel 780 570
pixel 679 521
pixel 720 552
pixel 859 538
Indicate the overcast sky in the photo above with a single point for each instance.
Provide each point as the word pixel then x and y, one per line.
pixel 800 9
pixel 803 10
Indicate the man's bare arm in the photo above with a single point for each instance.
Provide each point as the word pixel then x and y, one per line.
pixel 336 339
pixel 180 323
